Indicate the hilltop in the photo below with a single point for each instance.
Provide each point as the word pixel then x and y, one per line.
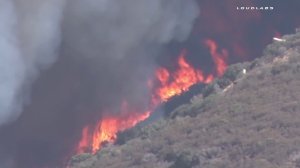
pixel 241 120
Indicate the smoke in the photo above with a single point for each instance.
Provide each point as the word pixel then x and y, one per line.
pixel 97 52
pixel 119 41
pixel 11 63
pixel 29 36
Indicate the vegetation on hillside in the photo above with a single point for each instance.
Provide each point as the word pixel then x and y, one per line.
pixel 241 120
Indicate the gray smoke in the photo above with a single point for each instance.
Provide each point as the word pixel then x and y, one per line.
pixel 102 32
pixel 97 52
pixel 11 63
pixel 121 39
pixel 116 27
pixel 29 37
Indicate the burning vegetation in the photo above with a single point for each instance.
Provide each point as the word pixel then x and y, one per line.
pixel 106 130
pixel 247 122
pixel 236 40
pixel 164 86
pixel 102 67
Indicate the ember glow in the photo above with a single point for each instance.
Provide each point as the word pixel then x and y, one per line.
pixel 167 84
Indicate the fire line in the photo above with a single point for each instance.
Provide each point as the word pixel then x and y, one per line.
pixel 164 86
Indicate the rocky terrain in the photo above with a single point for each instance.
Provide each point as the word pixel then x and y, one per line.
pixel 242 120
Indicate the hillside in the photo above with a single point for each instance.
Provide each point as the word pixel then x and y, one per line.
pixel 241 120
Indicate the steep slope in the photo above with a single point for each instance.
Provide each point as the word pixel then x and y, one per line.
pixel 241 120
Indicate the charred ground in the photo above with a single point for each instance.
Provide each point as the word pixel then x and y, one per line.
pixel 240 120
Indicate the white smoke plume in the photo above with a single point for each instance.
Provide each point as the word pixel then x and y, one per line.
pixel 29 37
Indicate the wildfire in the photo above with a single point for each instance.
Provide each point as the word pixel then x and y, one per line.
pixel 171 84
pixel 165 85
pixel 219 58
pixel 106 130
pixel 84 143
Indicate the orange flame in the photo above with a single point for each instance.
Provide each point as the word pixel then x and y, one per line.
pixel 107 128
pixel 171 84
pixel 84 143
pixel 219 58
pixel 166 85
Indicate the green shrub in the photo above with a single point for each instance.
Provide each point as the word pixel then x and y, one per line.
pixel 81 157
pixel 207 90
pixel 185 160
pixel 273 50
pixel 279 69
pixel 223 82
pixel 233 71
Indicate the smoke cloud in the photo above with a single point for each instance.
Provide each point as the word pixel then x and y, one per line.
pixel 11 63
pixel 97 53
pixel 119 40
pixel 29 37
pixel 63 63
